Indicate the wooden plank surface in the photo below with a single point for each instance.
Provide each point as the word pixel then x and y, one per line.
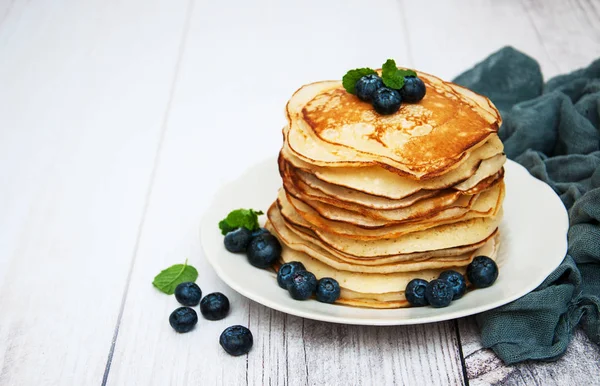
pixel 119 120
pixel 278 51
pixel 579 366
pixel 82 96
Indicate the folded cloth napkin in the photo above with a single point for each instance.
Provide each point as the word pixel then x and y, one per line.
pixel 553 130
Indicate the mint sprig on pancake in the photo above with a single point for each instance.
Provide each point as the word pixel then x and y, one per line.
pixel 349 80
pixel 392 76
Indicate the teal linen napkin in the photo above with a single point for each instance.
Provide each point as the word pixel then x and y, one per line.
pixel 552 129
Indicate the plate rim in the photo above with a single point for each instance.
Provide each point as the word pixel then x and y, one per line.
pixel 313 315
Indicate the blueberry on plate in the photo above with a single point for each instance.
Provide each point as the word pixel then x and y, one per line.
pixel 456 281
pixel 259 232
pixel 386 101
pixel 439 293
pixel 264 250
pixel 214 306
pixel 284 275
pixel 237 240
pixel 188 294
pixel 236 340
pixel 413 89
pixel 415 292
pixel 328 290
pixel 482 272
pixel 303 285
pixel 367 85
pixel 183 319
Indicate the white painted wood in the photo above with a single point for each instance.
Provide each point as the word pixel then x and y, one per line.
pixel 578 366
pixel 218 125
pixel 447 37
pixel 569 31
pixel 88 88
pixel 84 86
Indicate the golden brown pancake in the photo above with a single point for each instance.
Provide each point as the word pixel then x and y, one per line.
pixel 330 127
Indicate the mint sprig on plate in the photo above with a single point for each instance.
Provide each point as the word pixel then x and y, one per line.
pixel 392 76
pixel 247 218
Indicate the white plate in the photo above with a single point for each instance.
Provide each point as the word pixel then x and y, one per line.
pixel 533 243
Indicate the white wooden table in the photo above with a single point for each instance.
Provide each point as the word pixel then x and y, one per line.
pixel 119 120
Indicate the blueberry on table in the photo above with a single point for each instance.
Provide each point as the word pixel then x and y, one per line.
pixel 264 250
pixel 237 240
pixel 415 292
pixel 367 85
pixel 214 306
pixel 482 272
pixel 456 281
pixel 284 275
pixel 439 293
pixel 413 89
pixel 188 294
pixel 328 290
pixel 303 285
pixel 236 340
pixel 386 101
pixel 183 319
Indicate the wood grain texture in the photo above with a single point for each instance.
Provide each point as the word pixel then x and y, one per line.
pixel 109 156
pixel 299 351
pixel 79 128
pixel 569 31
pixel 205 131
pixel 579 366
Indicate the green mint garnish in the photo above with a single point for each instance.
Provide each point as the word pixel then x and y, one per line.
pixel 349 80
pixel 247 218
pixel 394 77
pixel 169 278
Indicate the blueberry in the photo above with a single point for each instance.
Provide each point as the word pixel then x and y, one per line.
pixel 482 272
pixel 386 101
pixel 367 85
pixel 237 241
pixel 188 294
pixel 259 232
pixel 439 293
pixel 303 285
pixel 183 319
pixel 284 275
pixel 264 250
pixel 236 340
pixel 328 290
pixel 415 292
pixel 456 281
pixel 214 306
pixel 413 89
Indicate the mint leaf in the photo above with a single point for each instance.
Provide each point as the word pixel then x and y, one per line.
pixel 349 80
pixel 406 72
pixel 247 218
pixel 169 278
pixel 394 77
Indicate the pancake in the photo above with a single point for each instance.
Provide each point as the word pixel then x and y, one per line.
pixel 441 237
pixel 378 181
pixel 330 127
pixel 343 194
pixel 303 237
pixel 301 214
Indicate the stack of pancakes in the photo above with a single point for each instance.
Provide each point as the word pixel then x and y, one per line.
pixel 375 201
